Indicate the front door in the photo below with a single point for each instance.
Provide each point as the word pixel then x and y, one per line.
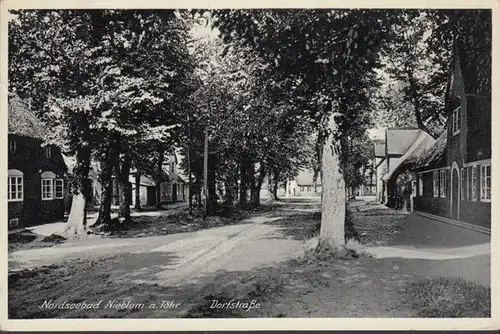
pixel 455 193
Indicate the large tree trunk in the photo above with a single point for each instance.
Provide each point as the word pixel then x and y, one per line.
pixel 257 186
pixel 333 203
pixel 212 201
pixel 416 103
pixel 275 184
pixel 229 192
pixel 243 181
pixel 107 166
pixel 137 206
pixel 158 178
pixel 124 188
pixel 77 221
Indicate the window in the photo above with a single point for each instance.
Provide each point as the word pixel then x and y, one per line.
pixel 12 146
pixel 456 120
pixel 48 185
pixel 463 189
pixel 420 186
pixel 442 183
pixel 48 152
pixel 414 188
pixel 435 179
pixel 15 186
pixel 474 184
pixel 47 189
pixel 486 183
pixel 58 188
pixel 309 189
pixel 301 188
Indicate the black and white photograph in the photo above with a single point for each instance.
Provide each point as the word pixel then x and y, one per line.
pixel 226 162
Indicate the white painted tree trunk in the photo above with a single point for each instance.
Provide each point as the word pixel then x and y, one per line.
pixel 333 199
pixel 77 216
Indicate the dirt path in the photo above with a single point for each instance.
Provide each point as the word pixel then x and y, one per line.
pixel 255 242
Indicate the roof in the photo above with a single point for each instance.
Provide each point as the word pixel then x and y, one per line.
pixel 421 144
pixel 379 148
pixel 23 121
pixel 306 177
pixel 434 155
pixel 145 181
pixel 399 140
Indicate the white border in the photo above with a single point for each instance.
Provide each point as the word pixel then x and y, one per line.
pixel 246 324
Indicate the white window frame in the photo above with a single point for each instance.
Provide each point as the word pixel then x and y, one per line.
pixel 56 181
pixel 484 183
pixel 463 182
pixel 435 184
pixel 456 120
pixel 420 186
pixel 442 183
pixel 50 184
pixel 474 183
pixel 18 177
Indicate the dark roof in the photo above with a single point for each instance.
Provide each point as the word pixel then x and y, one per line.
pixel 434 156
pixel 399 140
pixel 23 121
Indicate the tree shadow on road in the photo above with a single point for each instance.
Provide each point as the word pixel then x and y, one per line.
pixel 299 226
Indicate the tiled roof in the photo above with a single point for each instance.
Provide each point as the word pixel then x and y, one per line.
pixel 399 140
pixel 23 121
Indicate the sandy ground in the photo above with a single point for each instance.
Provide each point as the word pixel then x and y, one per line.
pixel 259 259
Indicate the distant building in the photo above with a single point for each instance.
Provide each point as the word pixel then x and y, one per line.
pixel 403 147
pixel 36 184
pixel 304 185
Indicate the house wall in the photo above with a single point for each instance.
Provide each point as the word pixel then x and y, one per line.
pixel 381 169
pixel 472 211
pixel 308 191
pixel 30 158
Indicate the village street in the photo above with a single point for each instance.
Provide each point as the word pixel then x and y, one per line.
pixel 249 163
pixel 261 257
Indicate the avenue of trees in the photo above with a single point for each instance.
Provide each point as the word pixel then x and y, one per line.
pixel 277 91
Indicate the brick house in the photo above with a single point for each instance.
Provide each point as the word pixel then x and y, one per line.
pixel 454 176
pixel 36 172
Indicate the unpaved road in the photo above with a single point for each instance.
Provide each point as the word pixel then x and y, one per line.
pixel 183 257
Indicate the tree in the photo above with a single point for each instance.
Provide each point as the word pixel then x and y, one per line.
pixel 419 70
pixel 105 81
pixel 332 53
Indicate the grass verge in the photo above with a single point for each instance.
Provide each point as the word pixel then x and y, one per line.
pixel 445 297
